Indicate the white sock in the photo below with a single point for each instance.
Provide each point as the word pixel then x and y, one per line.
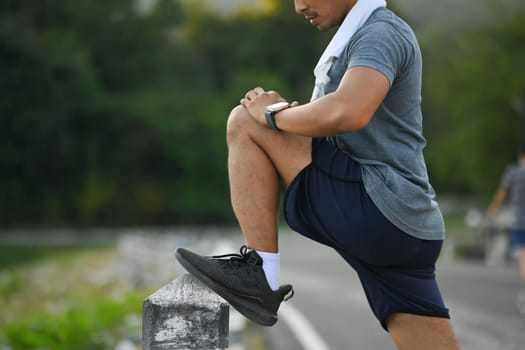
pixel 271 267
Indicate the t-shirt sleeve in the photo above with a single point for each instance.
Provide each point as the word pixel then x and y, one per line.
pixel 380 47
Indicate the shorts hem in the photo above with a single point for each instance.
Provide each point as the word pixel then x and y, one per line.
pixel 383 320
pixel 289 189
pixel 517 238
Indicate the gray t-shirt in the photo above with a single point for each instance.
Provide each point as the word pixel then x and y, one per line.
pixel 514 181
pixel 390 147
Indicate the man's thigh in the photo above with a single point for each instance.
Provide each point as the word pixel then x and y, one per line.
pixel 289 153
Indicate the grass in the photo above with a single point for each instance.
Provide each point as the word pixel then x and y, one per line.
pixel 65 298
pixel 13 255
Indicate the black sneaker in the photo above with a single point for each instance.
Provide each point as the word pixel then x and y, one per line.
pixel 240 280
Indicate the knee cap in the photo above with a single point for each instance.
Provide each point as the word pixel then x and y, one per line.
pixel 237 121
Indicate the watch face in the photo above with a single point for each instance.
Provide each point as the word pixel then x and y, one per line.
pixel 277 106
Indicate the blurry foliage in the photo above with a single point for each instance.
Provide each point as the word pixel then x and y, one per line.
pixel 13 255
pixel 111 116
pixel 88 325
pixel 59 301
pixel 474 99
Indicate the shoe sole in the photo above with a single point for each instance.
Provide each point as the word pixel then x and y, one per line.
pixel 250 310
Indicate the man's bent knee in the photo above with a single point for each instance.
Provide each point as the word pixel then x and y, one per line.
pixel 289 153
pixel 238 123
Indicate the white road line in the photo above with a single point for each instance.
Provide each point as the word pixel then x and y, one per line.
pixel 299 325
pixel 303 330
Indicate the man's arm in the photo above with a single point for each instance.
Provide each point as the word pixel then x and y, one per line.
pixel 497 202
pixel 349 108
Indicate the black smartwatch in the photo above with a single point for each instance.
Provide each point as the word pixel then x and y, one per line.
pixel 271 111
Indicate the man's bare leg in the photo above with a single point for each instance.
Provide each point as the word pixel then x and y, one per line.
pixel 521 261
pixel 258 158
pixel 520 300
pixel 414 332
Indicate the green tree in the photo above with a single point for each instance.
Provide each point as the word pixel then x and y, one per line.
pixel 87 108
pixel 475 105
pixel 111 116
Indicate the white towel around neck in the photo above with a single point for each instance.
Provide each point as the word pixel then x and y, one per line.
pixel 353 21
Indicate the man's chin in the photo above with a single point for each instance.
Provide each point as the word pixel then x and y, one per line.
pixel 324 28
pixel 319 26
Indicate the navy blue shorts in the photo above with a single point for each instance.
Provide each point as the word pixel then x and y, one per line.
pixel 327 202
pixel 517 238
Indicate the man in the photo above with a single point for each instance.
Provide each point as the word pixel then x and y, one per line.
pixel 352 164
pixel 513 186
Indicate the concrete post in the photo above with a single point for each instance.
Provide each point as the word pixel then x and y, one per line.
pixel 185 315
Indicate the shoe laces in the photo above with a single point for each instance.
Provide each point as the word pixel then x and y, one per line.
pixel 236 259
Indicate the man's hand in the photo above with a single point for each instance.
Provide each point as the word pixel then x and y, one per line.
pixel 256 101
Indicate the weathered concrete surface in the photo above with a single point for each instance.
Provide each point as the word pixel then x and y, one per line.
pixel 185 314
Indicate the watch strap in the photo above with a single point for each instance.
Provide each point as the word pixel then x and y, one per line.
pixel 270 120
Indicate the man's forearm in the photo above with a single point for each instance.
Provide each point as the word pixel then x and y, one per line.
pixel 326 116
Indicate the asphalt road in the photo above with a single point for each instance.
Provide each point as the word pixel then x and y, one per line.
pixel 328 294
